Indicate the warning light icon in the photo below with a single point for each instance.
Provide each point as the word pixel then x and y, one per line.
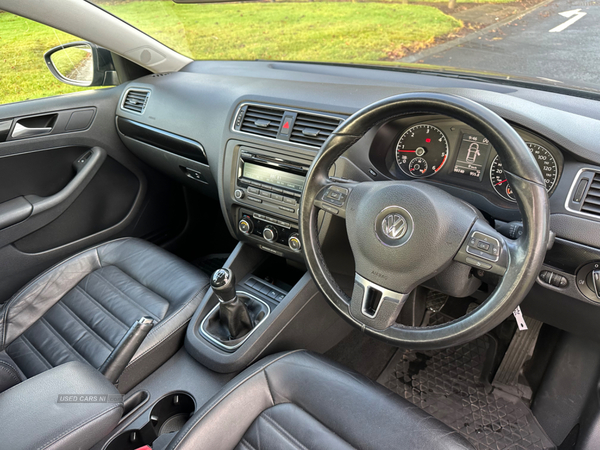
pixel 286 125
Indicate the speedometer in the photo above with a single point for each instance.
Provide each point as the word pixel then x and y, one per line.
pixel 422 151
pixel 545 161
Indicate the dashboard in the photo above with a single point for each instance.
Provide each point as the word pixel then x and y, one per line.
pixel 247 132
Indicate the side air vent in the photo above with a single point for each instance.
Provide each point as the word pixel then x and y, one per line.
pixel 262 120
pixel 136 100
pixel 310 129
pixel 591 202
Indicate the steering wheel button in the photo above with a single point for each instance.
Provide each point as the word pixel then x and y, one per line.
pixel 334 202
pixel 479 264
pixel 483 245
pixel 330 209
pixel 480 253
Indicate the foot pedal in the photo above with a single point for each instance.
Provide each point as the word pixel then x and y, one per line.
pixel 434 302
pixel 519 351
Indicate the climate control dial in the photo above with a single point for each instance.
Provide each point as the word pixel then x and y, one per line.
pixel 270 233
pixel 246 225
pixel 294 242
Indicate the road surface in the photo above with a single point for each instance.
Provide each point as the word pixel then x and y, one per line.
pixel 527 47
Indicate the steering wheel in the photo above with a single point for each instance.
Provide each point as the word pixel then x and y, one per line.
pixel 403 233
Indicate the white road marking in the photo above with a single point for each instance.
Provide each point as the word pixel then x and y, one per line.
pixel 575 15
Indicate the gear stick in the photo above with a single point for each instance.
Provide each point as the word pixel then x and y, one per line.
pixel 233 313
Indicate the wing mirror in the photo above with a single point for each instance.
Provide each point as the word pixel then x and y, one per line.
pixel 82 64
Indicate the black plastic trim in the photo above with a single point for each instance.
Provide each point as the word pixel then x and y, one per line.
pixel 162 139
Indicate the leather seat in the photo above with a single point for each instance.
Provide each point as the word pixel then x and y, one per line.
pixel 300 400
pixel 80 309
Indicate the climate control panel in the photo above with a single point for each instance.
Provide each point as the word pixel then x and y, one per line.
pixel 270 229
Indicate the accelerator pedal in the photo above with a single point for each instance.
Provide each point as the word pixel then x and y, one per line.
pixel 509 377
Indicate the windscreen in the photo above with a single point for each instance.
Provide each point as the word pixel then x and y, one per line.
pixel 555 42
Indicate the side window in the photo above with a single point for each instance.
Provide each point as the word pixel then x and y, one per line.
pixel 23 72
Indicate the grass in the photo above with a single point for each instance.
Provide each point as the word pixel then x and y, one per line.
pixel 314 31
pixel 319 31
pixel 23 72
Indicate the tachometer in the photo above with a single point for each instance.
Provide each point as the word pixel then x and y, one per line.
pixel 545 161
pixel 422 151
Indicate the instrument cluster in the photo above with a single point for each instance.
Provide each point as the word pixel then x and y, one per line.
pixel 449 151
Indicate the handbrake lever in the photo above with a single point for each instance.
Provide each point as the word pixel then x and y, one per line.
pixel 121 355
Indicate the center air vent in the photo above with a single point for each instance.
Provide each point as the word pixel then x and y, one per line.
pixel 262 120
pixel 136 100
pixel 591 202
pixel 311 129
pixel 286 124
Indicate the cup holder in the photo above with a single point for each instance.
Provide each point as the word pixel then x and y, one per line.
pixel 168 415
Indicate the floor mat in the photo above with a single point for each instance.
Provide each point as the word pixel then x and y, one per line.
pixel 208 264
pixel 448 385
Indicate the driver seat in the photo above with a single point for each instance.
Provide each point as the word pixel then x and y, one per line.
pixel 301 400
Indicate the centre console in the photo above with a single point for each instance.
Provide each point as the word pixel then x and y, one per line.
pixel 262 195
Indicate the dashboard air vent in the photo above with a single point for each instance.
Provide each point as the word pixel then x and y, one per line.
pixel 312 129
pixel 135 100
pixel 262 120
pixel 591 202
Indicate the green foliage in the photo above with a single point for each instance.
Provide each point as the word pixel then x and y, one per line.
pixel 23 72
pixel 310 31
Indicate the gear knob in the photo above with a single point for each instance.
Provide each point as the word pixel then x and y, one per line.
pixel 223 285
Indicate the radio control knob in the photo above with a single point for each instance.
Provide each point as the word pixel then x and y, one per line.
pixel 239 194
pixel 246 226
pixel 294 242
pixel 270 233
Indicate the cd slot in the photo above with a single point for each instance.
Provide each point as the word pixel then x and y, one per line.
pixel 284 166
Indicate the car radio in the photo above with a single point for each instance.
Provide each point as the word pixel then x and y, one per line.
pixel 272 183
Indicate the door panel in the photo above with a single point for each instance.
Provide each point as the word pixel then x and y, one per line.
pixel 74 186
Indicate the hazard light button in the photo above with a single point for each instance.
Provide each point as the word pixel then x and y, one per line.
pixel 286 124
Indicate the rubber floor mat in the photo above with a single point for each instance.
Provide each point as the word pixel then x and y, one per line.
pixel 448 385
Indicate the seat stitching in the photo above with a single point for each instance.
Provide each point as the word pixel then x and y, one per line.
pixel 10 372
pixel 283 432
pixel 80 425
pixel 102 307
pixel 324 426
pixel 231 390
pixel 245 442
pixel 154 316
pixel 63 340
pixel 36 351
pixel 269 387
pixel 83 324
pixel 21 291
pixel 10 363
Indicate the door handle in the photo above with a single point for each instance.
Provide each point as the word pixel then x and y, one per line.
pixel 21 131
pixel 29 213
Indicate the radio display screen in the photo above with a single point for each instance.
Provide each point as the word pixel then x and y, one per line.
pixel 273 176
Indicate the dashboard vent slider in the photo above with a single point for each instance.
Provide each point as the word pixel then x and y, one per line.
pixel 136 100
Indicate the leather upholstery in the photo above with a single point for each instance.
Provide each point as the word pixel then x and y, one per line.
pixel 31 417
pixel 81 308
pixel 300 400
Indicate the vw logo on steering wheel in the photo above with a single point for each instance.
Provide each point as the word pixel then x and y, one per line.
pixel 394 226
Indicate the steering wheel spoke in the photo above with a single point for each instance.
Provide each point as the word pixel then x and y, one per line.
pixel 333 197
pixel 375 306
pixel 485 249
